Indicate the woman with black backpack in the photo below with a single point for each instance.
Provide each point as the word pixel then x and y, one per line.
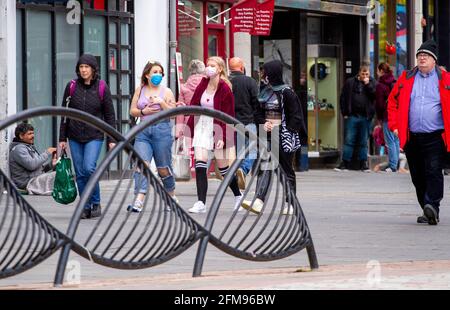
pixel 90 94
pixel 280 112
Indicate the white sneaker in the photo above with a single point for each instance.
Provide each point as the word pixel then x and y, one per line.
pixel 176 199
pixel 237 203
pixel 256 208
pixel 136 207
pixel 288 210
pixel 199 207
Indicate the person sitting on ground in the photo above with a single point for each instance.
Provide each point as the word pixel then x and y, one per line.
pixel 30 170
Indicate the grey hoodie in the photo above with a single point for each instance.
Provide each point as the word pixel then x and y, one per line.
pixel 25 162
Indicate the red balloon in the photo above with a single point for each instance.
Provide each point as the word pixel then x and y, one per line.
pixel 390 49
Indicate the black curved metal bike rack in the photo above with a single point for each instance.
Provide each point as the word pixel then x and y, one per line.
pixel 124 240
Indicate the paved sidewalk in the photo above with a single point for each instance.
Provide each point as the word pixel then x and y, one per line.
pixel 404 275
pixel 354 217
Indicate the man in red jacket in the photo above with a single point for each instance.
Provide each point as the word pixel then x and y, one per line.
pixel 419 114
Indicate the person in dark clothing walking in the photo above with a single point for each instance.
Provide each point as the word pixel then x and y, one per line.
pixel 245 91
pixel 419 114
pixel 89 94
pixel 357 107
pixel 385 84
pixel 279 105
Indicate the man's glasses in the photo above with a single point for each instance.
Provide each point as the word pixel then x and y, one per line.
pixel 423 55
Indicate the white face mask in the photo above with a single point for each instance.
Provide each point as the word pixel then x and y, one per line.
pixel 211 71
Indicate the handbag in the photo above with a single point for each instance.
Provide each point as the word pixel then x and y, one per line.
pixel 290 140
pixel 181 161
pixel 64 188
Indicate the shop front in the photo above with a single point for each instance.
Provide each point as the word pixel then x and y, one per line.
pixel 48 45
pixel 320 43
pixel 203 30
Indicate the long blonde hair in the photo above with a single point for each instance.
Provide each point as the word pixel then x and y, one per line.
pixel 221 63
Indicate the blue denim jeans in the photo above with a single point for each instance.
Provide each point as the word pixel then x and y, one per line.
pixel 243 142
pixel 84 157
pixel 356 135
pixel 393 146
pixel 155 142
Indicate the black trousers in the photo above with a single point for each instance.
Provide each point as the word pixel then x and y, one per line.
pixel 265 176
pixel 426 158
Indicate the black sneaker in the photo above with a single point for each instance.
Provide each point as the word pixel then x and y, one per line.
pixel 343 166
pixel 430 212
pixel 363 166
pixel 422 219
pixel 86 214
pixel 96 210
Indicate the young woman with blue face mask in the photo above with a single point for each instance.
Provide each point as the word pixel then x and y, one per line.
pixel 155 142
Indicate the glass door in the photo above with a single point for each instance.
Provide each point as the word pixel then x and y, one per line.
pixel 216 43
pixel 323 109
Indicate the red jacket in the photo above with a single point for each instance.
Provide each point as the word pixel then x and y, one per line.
pixel 224 102
pixel 400 98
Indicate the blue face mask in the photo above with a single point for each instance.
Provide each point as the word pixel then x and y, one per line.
pixel 156 79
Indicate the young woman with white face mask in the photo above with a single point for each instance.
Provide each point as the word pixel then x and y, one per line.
pixel 213 92
pixel 155 142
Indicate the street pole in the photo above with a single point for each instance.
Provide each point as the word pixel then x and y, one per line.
pixel 172 45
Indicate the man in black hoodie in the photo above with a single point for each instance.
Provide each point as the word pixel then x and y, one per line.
pixel 245 91
pixel 90 95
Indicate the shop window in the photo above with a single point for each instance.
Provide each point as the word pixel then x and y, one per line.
pixel 112 5
pixel 67 53
pixel 401 37
pixel 94 40
pixel 190 32
pixel 19 62
pixel 213 11
pixel 112 33
pixel 39 72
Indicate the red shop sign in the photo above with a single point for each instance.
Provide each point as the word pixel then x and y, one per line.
pixel 243 16
pixel 253 17
pixel 263 18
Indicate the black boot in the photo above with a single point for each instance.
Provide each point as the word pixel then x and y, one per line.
pixel 96 210
pixel 86 214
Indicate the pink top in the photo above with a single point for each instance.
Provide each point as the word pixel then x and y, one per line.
pixel 187 89
pixel 207 100
pixel 144 101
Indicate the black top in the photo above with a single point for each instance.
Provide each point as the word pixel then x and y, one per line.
pixel 87 98
pixel 245 91
pixel 357 98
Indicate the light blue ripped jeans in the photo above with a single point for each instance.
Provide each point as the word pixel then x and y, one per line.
pixel 155 142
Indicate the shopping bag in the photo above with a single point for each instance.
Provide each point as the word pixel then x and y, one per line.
pixel 181 161
pixel 64 188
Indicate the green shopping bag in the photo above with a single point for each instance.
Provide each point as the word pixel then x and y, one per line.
pixel 64 189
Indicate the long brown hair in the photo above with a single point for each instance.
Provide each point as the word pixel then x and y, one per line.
pixel 384 67
pixel 148 67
